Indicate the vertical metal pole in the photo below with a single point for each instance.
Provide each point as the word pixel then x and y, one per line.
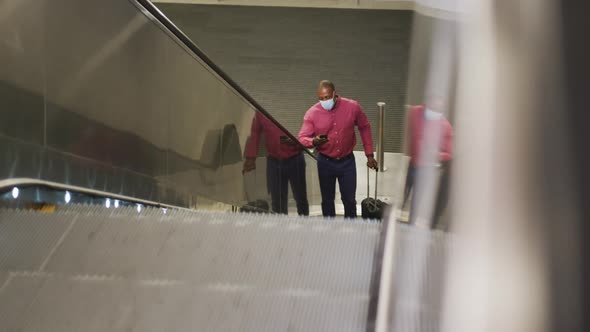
pixel 380 136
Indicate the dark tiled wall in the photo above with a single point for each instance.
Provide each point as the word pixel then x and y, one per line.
pixel 279 54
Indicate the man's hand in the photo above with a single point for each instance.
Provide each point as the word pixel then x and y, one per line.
pixel 372 163
pixel 249 165
pixel 319 140
pixel 288 141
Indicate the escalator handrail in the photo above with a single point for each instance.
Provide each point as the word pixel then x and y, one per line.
pixel 8 184
pixel 154 11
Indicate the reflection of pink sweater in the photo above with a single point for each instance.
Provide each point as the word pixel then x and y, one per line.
pixel 418 126
pixel 261 125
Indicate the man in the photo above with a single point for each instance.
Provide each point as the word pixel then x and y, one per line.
pixel 285 164
pixel 329 127
pixel 431 148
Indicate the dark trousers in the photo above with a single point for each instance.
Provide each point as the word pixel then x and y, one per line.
pixel 409 183
pixel 344 171
pixel 279 173
pixel 442 195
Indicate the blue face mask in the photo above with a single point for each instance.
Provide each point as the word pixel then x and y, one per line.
pixel 328 105
pixel 432 115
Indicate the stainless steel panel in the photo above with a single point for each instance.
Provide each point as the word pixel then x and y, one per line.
pixel 207 116
pixel 22 81
pixel 25 160
pixel 20 159
pixel 421 260
pixel 103 97
pixel 106 99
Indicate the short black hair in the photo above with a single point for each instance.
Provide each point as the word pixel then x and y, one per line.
pixel 327 84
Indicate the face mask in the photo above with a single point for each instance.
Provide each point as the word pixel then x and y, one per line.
pixel 432 115
pixel 327 104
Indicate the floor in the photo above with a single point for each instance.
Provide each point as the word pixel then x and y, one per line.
pixel 390 183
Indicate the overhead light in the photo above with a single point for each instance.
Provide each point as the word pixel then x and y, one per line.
pixel 116 203
pixel 138 207
pixel 15 192
pixel 68 197
pixel 164 210
pixel 107 203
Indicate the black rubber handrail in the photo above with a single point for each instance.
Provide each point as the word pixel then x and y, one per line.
pixel 152 9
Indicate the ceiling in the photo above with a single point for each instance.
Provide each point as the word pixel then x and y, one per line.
pixel 431 7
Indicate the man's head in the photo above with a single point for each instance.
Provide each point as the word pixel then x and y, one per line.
pixel 326 90
pixel 435 103
pixel 326 95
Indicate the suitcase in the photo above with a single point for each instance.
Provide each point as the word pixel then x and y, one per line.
pixel 256 202
pixel 373 208
pixel 257 206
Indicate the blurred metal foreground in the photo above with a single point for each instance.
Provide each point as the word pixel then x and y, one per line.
pixel 97 269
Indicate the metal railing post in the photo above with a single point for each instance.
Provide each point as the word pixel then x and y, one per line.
pixel 380 137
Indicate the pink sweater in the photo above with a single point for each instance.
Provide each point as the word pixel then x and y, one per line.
pixel 261 125
pixel 339 125
pixel 419 128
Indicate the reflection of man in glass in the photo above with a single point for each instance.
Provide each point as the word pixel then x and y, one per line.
pixel 431 148
pixel 285 164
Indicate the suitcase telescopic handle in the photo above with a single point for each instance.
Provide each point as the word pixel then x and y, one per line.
pixel 368 187
pixel 368 180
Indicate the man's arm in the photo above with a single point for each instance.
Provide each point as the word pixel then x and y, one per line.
pixel 252 146
pixel 255 130
pixel 446 149
pixel 307 132
pixel 365 130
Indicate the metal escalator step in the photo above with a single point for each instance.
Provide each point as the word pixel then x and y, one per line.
pixel 40 303
pixel 92 269
pixel 211 271
pixel 210 251
pixel 27 238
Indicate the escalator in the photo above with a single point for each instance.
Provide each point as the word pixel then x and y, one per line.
pixel 133 131
pixel 90 268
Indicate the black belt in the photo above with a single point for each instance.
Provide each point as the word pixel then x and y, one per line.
pixel 284 160
pixel 350 156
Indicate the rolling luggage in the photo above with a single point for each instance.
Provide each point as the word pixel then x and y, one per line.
pixel 257 206
pixel 373 208
pixel 255 196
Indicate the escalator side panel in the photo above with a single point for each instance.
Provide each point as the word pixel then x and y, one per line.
pixel 102 96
